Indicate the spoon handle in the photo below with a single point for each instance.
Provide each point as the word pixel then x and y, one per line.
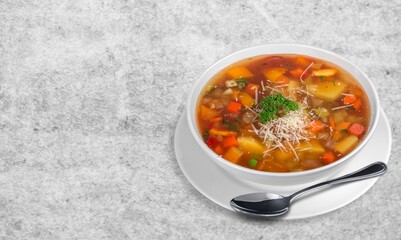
pixel 373 170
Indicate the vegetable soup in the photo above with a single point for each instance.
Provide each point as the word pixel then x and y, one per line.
pixel 283 113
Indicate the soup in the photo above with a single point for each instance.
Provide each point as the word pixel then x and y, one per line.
pixel 282 113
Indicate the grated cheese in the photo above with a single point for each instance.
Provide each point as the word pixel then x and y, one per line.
pixel 284 85
pixel 347 94
pixel 300 77
pixel 305 92
pixel 272 89
pixel 254 129
pixel 290 128
pixel 341 107
pixel 250 109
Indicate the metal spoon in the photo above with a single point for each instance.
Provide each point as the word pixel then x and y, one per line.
pixel 270 204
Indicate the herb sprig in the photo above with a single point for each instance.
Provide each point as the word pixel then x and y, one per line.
pixel 242 82
pixel 231 126
pixel 270 106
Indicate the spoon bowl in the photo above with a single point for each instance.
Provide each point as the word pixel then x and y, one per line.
pixel 261 204
pixel 271 204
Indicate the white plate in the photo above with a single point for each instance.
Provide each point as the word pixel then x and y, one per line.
pixel 220 187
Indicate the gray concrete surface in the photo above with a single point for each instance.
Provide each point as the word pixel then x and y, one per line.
pixel 91 92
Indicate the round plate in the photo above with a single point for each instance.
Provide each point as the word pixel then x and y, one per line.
pixel 220 187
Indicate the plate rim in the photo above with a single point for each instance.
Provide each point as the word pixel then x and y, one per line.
pixel 368 183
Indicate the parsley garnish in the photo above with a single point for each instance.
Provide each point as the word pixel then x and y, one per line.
pixel 270 105
pixel 344 130
pixel 231 126
pixel 205 135
pixel 241 82
pixel 321 78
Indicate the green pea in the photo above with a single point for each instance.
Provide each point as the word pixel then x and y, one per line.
pixel 253 162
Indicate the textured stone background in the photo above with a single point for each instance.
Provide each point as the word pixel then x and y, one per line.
pixel 91 92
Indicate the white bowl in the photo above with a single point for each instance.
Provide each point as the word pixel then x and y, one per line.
pixel 290 178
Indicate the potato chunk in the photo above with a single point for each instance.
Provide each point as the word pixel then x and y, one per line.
pixel 283 155
pixel 327 90
pixel 313 146
pixel 274 74
pixel 233 154
pixel 250 144
pixel 347 144
pixel 239 72
pixel 325 72
pixel 245 99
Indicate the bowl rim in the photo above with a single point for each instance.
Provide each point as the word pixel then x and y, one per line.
pixel 192 121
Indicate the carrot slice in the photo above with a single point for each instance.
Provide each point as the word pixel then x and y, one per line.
pixel 316 126
pixel 207 113
pixel 216 119
pixel 328 157
pixel 296 73
pixel 224 133
pixel 251 88
pixel 356 92
pixel 356 129
pixel 357 104
pixel 303 61
pixel 347 100
pixel 230 141
pixel 234 107
pixel 219 150
pixel 342 125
